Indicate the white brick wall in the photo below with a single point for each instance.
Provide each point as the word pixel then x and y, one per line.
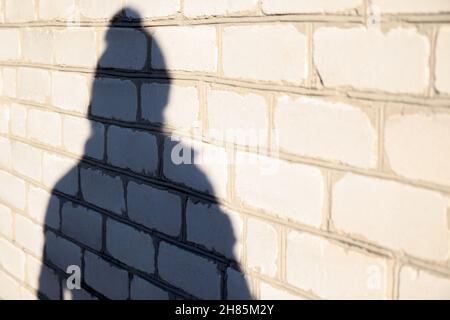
pixel 419 285
pixel 6 222
pixel 12 190
pixel 172 105
pixel 75 47
pixel 29 235
pixel 284 48
pixel 320 140
pixel 262 235
pixel 292 191
pixel 393 215
pixel 196 8
pixel 442 61
pixel 250 128
pixel 396 61
pixel 10 39
pixel 33 84
pixel 418 146
pixel 70 92
pixel 184 48
pixel 321 129
pixel 305 6
pixel 153 8
pixel 412 6
pixel 317 265
pixel 37 45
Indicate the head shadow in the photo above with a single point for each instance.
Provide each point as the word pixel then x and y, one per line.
pixel 136 225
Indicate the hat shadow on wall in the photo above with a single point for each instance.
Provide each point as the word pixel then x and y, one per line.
pixel 115 222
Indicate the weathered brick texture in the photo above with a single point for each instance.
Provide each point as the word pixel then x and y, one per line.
pixel 318 134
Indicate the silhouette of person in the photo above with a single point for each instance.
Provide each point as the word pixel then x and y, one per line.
pixel 112 221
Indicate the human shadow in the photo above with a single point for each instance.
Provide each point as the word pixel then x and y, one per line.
pixel 126 222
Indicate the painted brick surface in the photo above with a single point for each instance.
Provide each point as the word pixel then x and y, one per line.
pixel 265 149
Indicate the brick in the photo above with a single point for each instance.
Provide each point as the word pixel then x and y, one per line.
pixel 42 278
pixel 102 190
pixel 284 58
pixel 365 207
pixel 82 224
pixel 5 153
pixel 418 146
pixel 305 6
pixel 317 265
pixel 70 92
pixel 105 277
pixel 442 69
pixel 98 9
pixel 9 82
pixel 114 99
pixel 12 190
pixel 12 259
pixel 18 115
pixel 268 292
pixel 26 294
pixel 154 208
pixel 83 137
pixel 239 286
pixel 43 207
pixel 412 6
pixel 144 290
pixel 262 235
pixel 151 9
pixel 4 119
pixel 6 222
pixel 56 9
pixel 216 228
pixel 292 191
pixel 132 149
pixel 37 119
pixel 75 47
pixel 9 288
pixel 131 246
pixel 60 173
pixel 37 45
pixel 184 48
pixel 251 128
pixel 396 61
pixel 196 8
pixel 29 235
pixel 10 39
pixel 20 11
pixel 190 272
pixel 327 130
pixel 203 167
pixel 421 285
pixel 124 49
pixel 33 84
pixel 27 160
pixel 62 252
pixel 170 105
